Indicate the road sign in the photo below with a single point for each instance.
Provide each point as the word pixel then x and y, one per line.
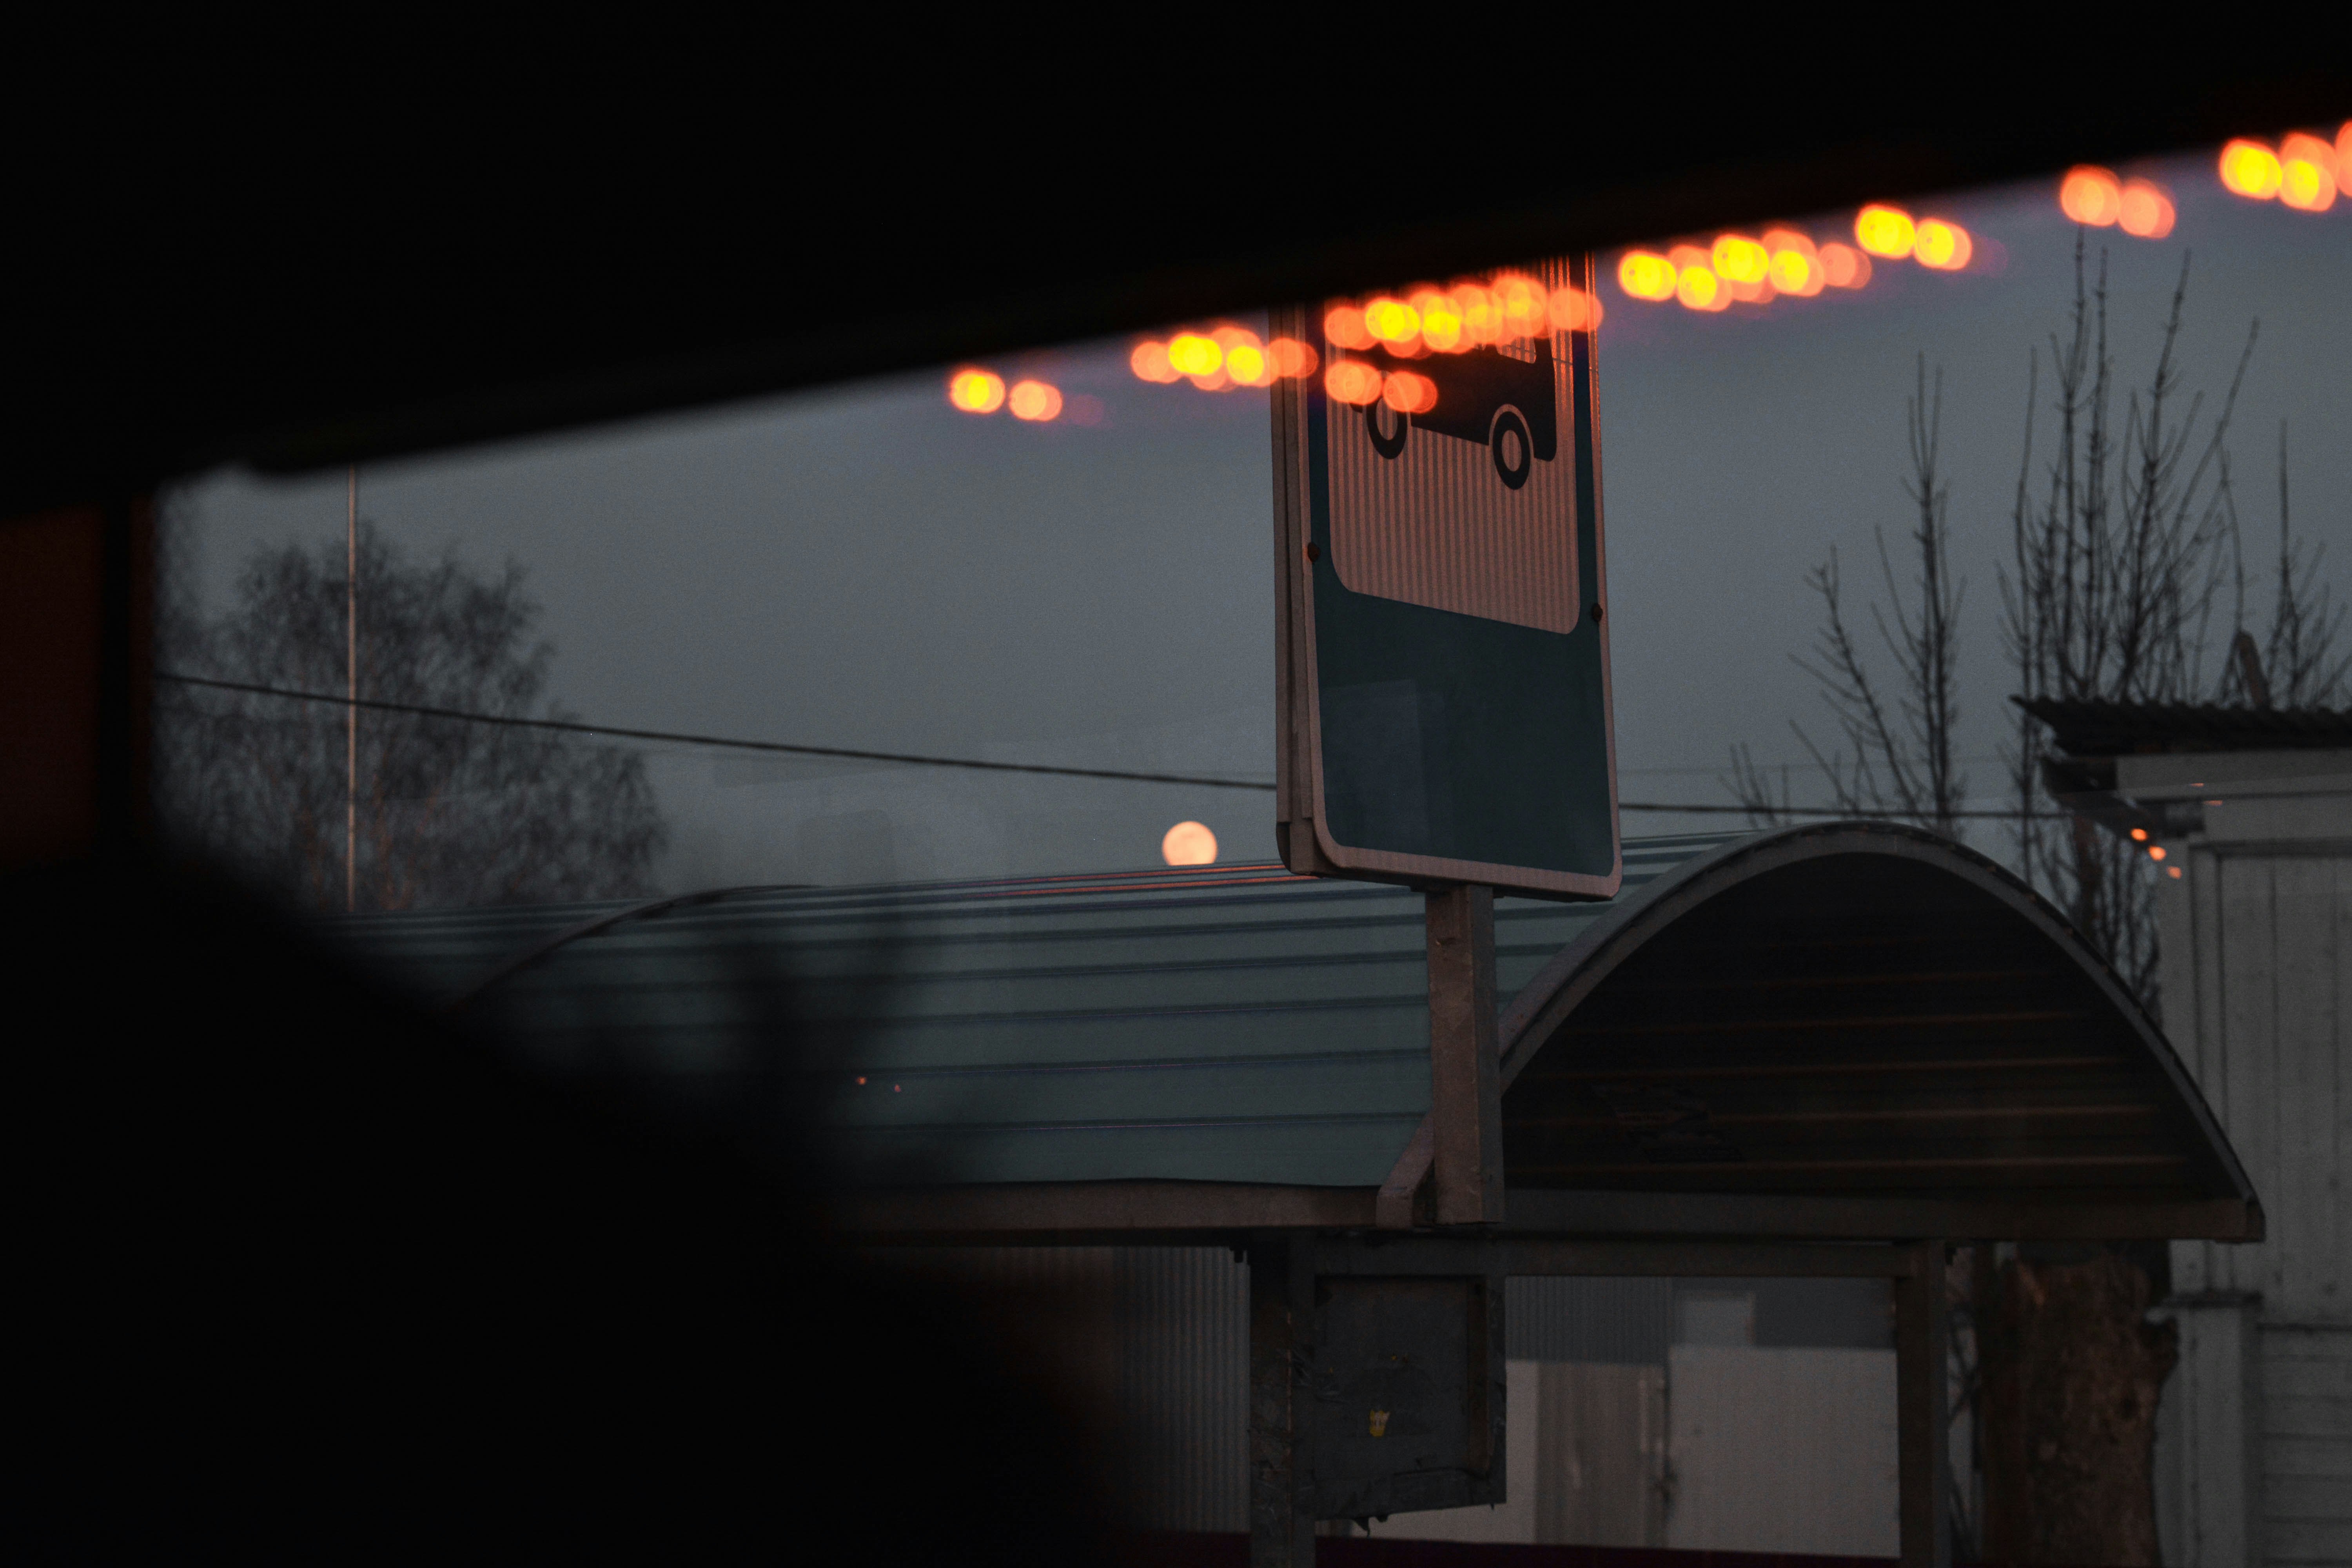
pixel 1444 651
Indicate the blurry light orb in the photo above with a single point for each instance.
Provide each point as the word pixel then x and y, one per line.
pixel 1737 259
pixel 1441 320
pixel 1885 231
pixel 2089 195
pixel 2145 211
pixel 1344 324
pixel 1646 274
pixel 1249 364
pixel 2172 870
pixel 1942 244
pixel 1409 393
pixel 1574 311
pixel 2139 835
pixel 1482 316
pixel 976 390
pixel 2251 170
pixel 2343 158
pixel 1195 353
pixel 1700 290
pixel 1794 272
pixel 2306 173
pixel 1189 844
pixel 1291 358
pixel 1843 267
pixel 1352 381
pixel 2156 852
pixel 1391 321
pixel 1522 302
pixel 1796 265
pixel 1036 400
pixel 1149 361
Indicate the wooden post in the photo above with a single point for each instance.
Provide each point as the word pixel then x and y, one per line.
pixel 1465 1095
pixel 1282 1307
pixel 1922 1423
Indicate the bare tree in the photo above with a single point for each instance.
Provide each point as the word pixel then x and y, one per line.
pixel 2118 557
pixel 1897 760
pixel 2298 663
pixel 451 812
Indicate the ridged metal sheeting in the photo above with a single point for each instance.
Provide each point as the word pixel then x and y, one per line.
pixel 1233 1024
pixel 1628 1323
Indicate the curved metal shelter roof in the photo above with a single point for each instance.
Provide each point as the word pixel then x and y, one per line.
pixel 1838 1031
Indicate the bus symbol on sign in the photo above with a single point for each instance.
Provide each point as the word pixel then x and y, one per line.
pixel 1501 397
pixel 1464 506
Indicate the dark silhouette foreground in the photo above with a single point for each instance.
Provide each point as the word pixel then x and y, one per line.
pixel 301 1271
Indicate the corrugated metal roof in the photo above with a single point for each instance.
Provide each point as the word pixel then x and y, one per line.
pixel 1233 1024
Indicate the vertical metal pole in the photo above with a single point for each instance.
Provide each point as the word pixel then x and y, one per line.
pixel 1282 1304
pixel 352 705
pixel 1922 1423
pixel 1465 1093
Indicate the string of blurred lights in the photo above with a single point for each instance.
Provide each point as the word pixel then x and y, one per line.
pixel 2303 171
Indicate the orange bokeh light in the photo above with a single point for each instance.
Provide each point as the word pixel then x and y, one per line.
pixel 1249 365
pixel 1408 392
pixel 1035 401
pixel 1352 381
pixel 1195 353
pixel 1701 290
pixel 2156 852
pixel 1522 302
pixel 2139 835
pixel 2250 169
pixel 1482 318
pixel 1796 265
pixel 1391 321
pixel 1343 324
pixel 1149 361
pixel 1574 311
pixel 2306 173
pixel 1646 274
pixel 1440 320
pixel 2089 195
pixel 1737 259
pixel 1843 267
pixel 976 390
pixel 2343 158
pixel 1291 358
pixel 1942 244
pixel 2144 210
pixel 1885 231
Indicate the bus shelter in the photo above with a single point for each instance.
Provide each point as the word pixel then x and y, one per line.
pixel 1825 1051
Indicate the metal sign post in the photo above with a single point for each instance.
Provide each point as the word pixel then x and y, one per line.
pixel 1443 651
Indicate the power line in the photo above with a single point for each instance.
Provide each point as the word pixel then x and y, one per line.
pixel 1809 811
pixel 569 727
pixel 572 727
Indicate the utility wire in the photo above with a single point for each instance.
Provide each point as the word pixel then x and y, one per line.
pixel 727 742
pixel 569 727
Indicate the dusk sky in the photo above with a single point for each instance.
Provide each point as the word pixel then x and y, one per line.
pixel 867 567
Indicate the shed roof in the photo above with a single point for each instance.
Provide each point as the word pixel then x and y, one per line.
pixel 1849 1029
pixel 1233 1024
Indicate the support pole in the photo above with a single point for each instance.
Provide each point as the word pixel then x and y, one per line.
pixel 1282 1307
pixel 1465 1091
pixel 1922 1421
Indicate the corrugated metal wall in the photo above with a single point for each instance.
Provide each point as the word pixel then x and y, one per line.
pixel 1624 1322
pixel 1183 1391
